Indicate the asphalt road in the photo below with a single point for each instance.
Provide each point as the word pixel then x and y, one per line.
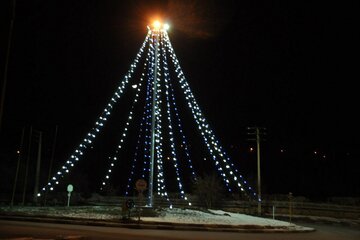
pixel 17 229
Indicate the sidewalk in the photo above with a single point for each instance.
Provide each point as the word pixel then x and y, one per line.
pixel 319 219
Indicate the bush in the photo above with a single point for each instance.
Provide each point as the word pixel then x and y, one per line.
pixel 209 190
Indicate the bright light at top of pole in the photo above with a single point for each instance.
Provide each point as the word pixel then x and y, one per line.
pixel 166 26
pixel 157 25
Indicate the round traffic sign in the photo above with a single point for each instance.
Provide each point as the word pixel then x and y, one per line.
pixel 141 185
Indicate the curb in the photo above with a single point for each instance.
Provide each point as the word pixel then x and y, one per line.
pixel 163 225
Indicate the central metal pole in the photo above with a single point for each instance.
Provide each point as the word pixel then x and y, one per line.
pixel 155 35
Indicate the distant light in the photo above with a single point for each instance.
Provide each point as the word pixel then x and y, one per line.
pixel 166 26
pixel 251 149
pixel 134 86
pixel 18 152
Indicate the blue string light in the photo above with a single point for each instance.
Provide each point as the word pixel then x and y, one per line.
pixel 173 103
pixel 170 126
pixel 142 125
pixel 114 159
pixel 225 167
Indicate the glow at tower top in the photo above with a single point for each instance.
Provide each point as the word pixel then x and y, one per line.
pixel 159 26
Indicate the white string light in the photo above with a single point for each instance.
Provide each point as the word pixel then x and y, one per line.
pixel 170 130
pixel 208 136
pixel 99 124
pixel 114 159
pixel 141 132
pixel 173 102
pixel 223 163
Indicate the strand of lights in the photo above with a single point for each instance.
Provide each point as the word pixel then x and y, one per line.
pixel 215 146
pixel 171 134
pixel 146 170
pixel 173 102
pixel 194 112
pixel 161 187
pixel 199 118
pixel 99 124
pixel 147 147
pixel 160 179
pixel 114 159
pixel 147 143
pixel 220 169
pixel 142 124
pixel 206 132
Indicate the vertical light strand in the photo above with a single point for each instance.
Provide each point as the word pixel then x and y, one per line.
pixel 141 133
pixel 161 174
pixel 146 163
pixel 147 144
pixel 158 133
pixel 170 129
pixel 173 103
pixel 184 141
pixel 91 135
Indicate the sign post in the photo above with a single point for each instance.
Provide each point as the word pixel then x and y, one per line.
pixel 70 188
pixel 141 186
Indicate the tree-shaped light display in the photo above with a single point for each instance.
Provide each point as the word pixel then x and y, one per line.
pixel 160 121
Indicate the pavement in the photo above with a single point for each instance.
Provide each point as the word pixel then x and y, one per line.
pixel 135 224
pixel 320 219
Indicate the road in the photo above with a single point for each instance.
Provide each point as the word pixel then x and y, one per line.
pixel 17 229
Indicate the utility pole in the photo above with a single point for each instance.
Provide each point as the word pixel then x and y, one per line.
pixel 257 132
pixel 27 166
pixel 19 152
pixel 155 36
pixel 3 91
pixel 51 161
pixel 38 162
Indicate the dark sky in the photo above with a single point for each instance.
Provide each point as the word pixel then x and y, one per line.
pixel 290 67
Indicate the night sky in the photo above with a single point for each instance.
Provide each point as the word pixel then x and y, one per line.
pixel 289 67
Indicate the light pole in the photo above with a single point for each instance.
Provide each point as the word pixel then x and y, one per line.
pixel 155 32
pixel 155 36
pixel 27 166
pixel 257 132
pixel 19 152
pixel 3 91
pixel 38 162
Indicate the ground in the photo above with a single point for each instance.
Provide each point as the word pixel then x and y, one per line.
pixel 208 217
